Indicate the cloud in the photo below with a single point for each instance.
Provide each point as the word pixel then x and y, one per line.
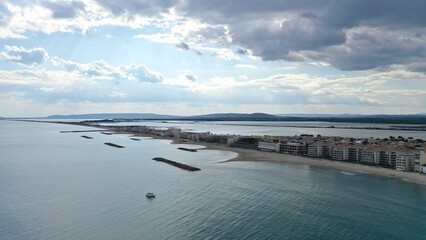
pixel 211 34
pixel 72 16
pixel 247 66
pixel 159 38
pixel 241 51
pixel 142 7
pixel 64 9
pixel 223 53
pixel 191 77
pixel 141 73
pixel 274 42
pixel 182 45
pixel 349 35
pixel 23 56
pixel 5 14
pixel 101 70
pixel 371 48
pixel 324 30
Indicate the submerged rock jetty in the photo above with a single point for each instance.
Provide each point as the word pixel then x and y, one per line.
pixel 176 164
pixel 187 149
pixel 113 145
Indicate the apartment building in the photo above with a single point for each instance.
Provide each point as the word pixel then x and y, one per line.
pixel 368 156
pixel 404 161
pixel 339 153
pixel 269 146
pixel 294 148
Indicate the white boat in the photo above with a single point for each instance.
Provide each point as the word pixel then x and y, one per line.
pixel 150 195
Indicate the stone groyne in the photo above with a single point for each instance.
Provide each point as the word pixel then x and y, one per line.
pixel 187 149
pixel 113 145
pixel 176 164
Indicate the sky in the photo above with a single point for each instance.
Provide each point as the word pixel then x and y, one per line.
pixel 188 57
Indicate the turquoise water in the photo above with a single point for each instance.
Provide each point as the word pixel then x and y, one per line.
pixel 61 186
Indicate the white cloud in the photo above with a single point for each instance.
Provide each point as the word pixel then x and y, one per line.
pixel 190 77
pixel 26 57
pixel 159 38
pixel 101 70
pixel 223 53
pixel 63 16
pixel 247 66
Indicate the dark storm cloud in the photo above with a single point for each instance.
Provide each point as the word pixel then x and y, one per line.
pixel 326 30
pixel 381 13
pixel 64 9
pixel 223 11
pixel 294 35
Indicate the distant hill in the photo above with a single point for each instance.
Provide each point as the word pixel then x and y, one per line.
pixel 347 115
pixel 355 118
pixel 306 115
pixel 234 117
pixel 113 116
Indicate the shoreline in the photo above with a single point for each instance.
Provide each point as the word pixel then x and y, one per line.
pixel 249 155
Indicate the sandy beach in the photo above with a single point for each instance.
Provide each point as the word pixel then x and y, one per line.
pixel 260 156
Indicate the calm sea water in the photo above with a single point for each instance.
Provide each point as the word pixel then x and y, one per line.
pixel 285 128
pixel 61 186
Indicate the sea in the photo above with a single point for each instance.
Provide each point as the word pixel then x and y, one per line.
pixel 57 185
